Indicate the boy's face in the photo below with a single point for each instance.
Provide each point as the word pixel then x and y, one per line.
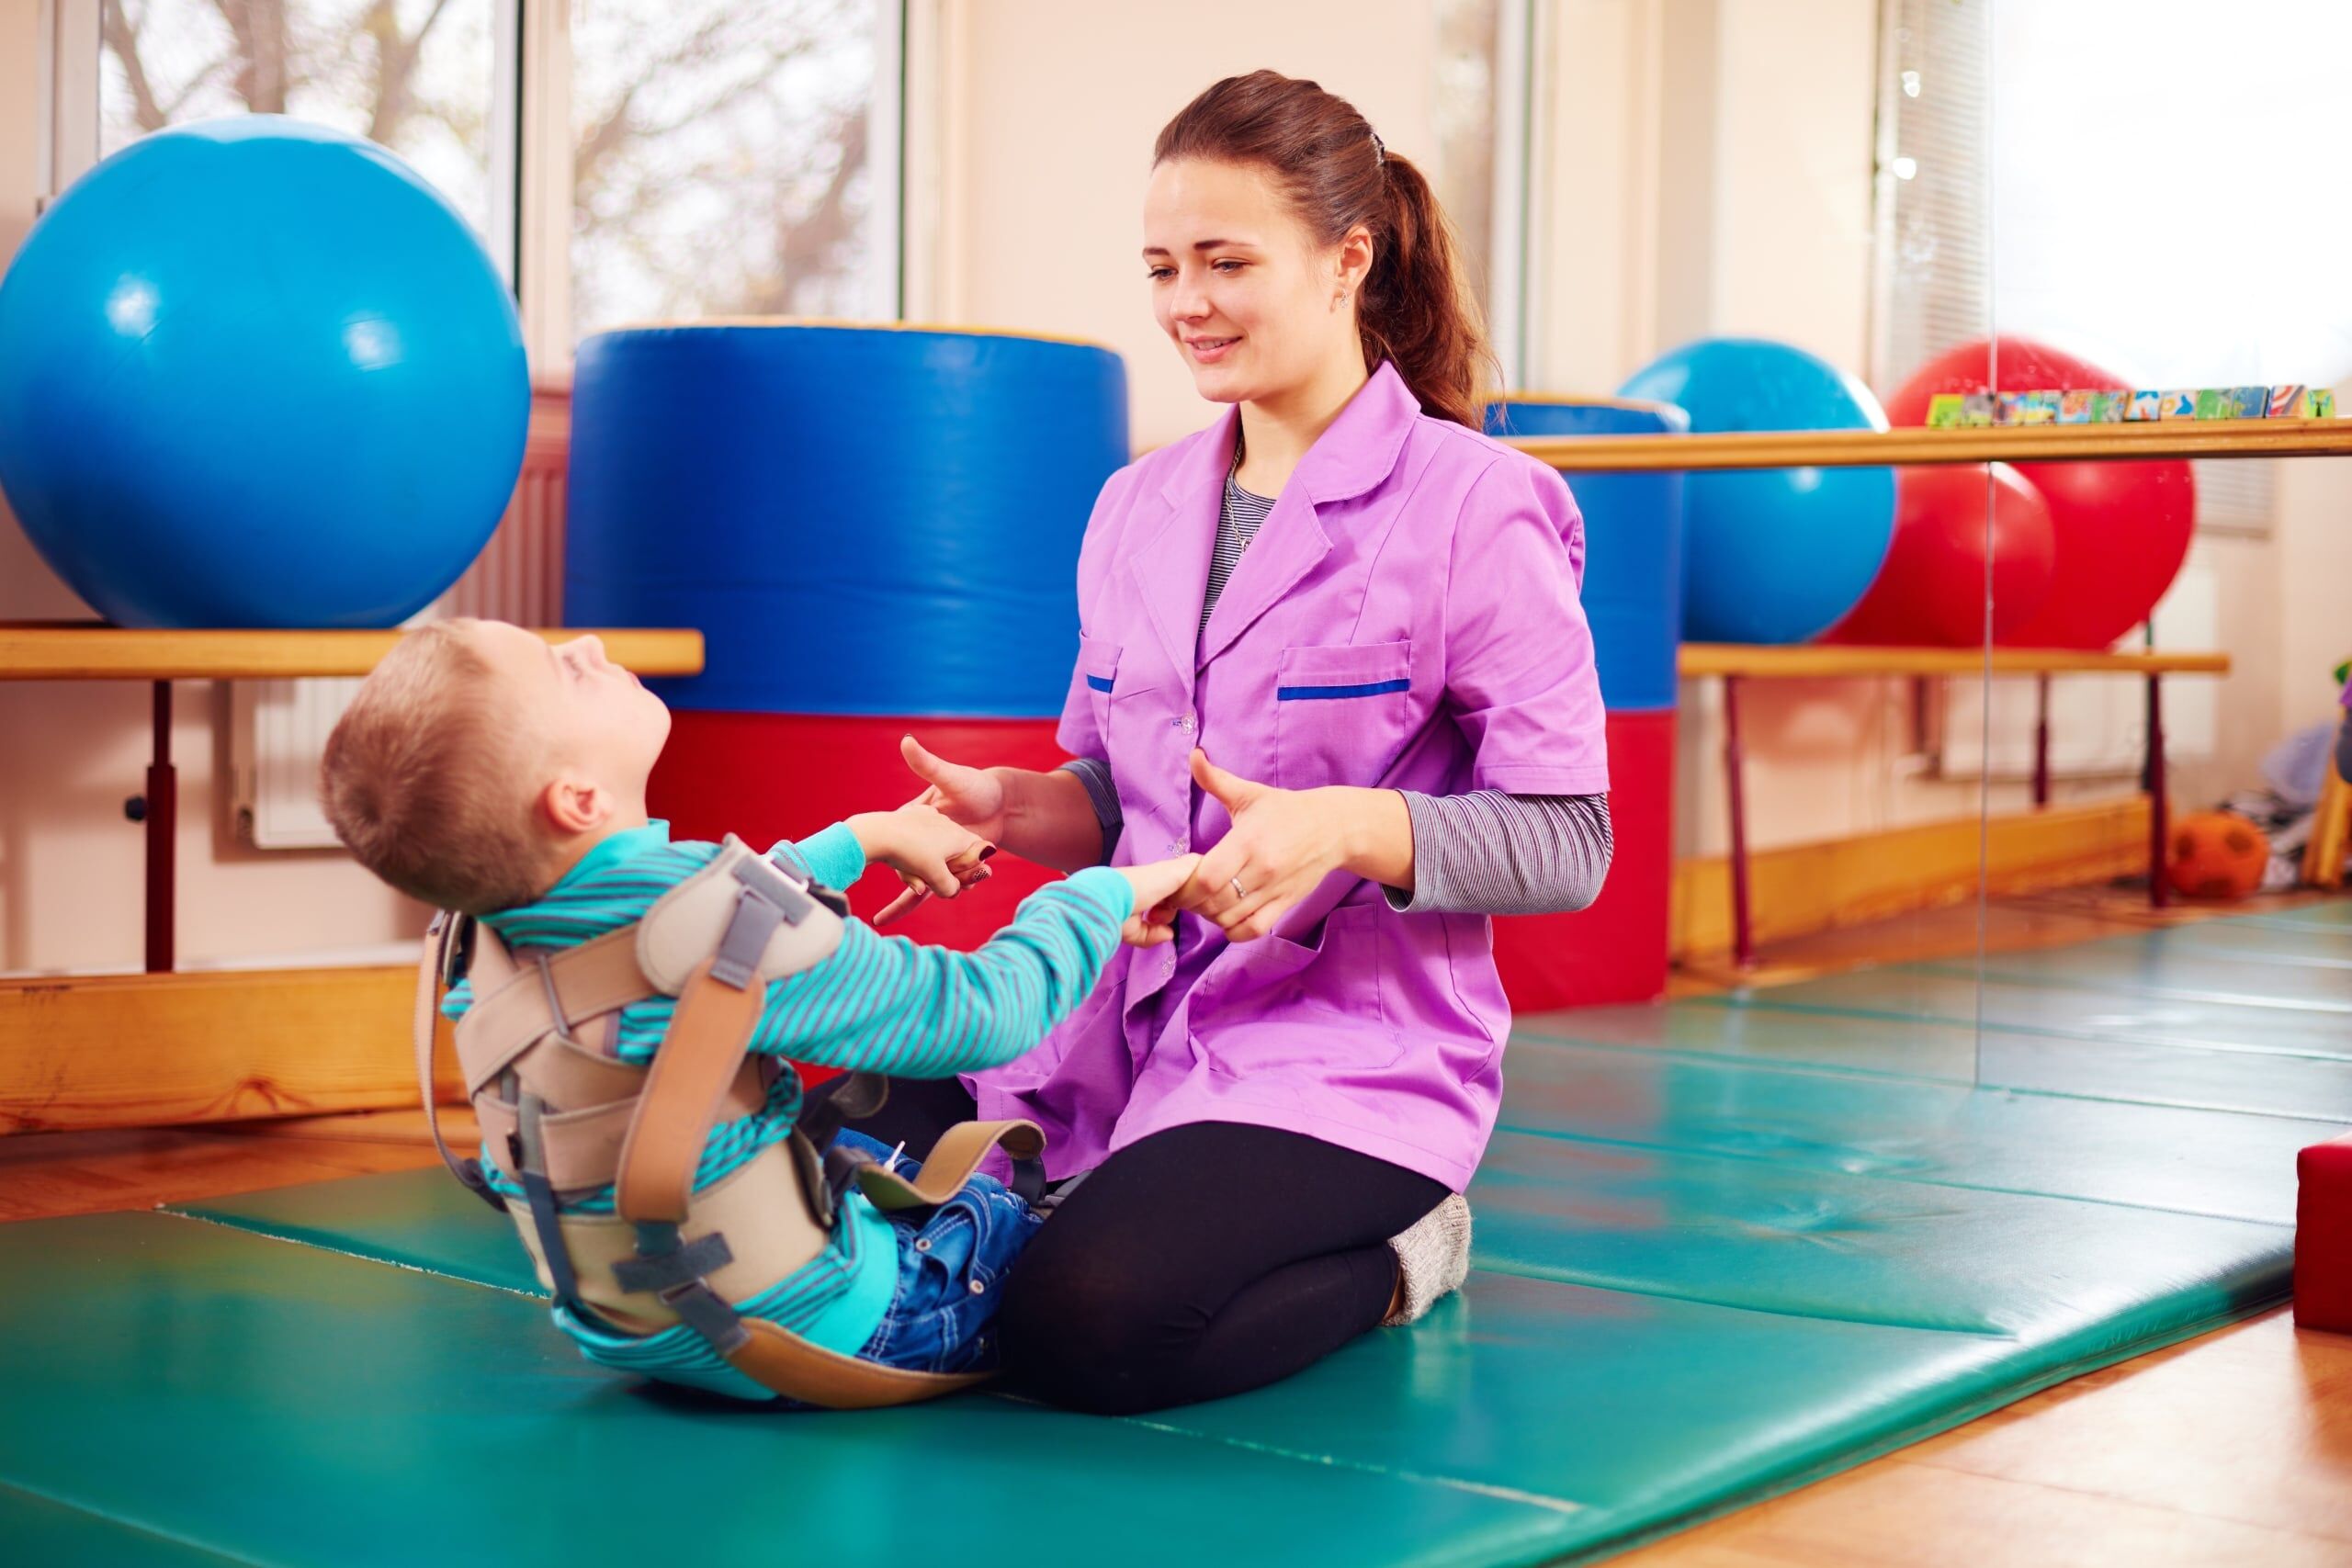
pixel 582 710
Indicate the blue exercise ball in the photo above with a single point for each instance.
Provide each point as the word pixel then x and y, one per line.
pixel 258 372
pixel 1772 554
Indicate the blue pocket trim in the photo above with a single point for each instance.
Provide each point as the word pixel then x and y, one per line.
pixel 1100 682
pixel 1321 694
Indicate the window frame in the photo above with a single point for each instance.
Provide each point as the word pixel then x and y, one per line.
pixel 529 233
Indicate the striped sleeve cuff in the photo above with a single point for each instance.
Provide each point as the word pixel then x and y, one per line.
pixel 1103 795
pixel 1490 853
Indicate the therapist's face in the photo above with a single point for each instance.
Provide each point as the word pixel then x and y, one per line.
pixel 1239 284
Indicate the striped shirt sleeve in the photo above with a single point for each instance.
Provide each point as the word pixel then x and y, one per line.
pixel 1490 853
pixel 885 1004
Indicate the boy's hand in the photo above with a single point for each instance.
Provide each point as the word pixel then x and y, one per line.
pixel 924 848
pixel 1156 886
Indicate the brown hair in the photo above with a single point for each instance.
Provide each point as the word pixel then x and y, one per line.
pixel 1416 309
pixel 424 780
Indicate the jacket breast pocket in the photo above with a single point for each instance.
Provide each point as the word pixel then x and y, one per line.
pixel 1098 661
pixel 1341 715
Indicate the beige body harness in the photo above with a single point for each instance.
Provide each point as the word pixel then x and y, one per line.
pixel 561 1114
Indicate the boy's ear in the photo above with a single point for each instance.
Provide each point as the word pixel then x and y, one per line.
pixel 573 802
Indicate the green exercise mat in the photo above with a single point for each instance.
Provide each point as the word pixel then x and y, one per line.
pixel 1723 1247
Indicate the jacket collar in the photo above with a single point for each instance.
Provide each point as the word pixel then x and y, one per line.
pixel 1358 451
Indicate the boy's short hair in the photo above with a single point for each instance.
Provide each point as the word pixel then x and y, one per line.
pixel 429 785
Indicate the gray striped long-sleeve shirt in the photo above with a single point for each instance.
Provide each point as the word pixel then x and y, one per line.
pixel 1484 852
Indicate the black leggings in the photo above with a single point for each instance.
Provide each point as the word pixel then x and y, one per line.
pixel 1195 1263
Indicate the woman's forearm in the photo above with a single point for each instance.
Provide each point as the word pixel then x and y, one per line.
pixel 1049 819
pixel 1375 833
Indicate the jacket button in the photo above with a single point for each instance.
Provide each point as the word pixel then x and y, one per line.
pixel 923 1244
pixel 980 1288
pixel 1185 724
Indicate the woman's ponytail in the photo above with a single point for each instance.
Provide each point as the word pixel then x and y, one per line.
pixel 1416 309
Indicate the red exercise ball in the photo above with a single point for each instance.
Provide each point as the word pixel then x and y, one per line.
pixel 1931 590
pixel 2120 530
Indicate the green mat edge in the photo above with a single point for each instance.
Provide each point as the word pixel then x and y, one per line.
pixel 147 1546
pixel 1823 1467
pixel 299 1235
pixel 1670 1513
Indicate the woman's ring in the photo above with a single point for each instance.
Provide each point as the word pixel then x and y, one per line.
pixel 1235 885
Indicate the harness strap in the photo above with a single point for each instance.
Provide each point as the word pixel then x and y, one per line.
pixel 583 1148
pixel 530 1160
pixel 683 1089
pixel 441 943
pixel 828 1168
pixel 950 1163
pixel 595 977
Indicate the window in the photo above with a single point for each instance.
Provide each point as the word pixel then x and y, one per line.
pixel 419 77
pixel 2150 184
pixel 725 160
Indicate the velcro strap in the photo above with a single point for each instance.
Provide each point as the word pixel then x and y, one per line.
pixel 698 1306
pixel 684 1263
pixel 756 917
pixel 950 1163
pixel 584 1146
pixel 592 979
pixel 699 1057
pixel 689 923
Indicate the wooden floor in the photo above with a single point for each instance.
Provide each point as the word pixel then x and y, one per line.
pixel 2235 1448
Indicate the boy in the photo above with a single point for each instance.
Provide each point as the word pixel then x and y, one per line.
pixel 482 769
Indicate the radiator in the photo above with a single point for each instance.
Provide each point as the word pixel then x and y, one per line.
pixel 278 728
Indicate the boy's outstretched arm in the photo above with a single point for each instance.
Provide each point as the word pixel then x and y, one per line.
pixel 885 1004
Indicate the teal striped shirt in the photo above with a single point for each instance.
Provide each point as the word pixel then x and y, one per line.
pixel 879 1004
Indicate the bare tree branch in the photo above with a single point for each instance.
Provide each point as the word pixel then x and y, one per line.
pixel 396 59
pixel 121 35
pixel 804 245
pixel 264 75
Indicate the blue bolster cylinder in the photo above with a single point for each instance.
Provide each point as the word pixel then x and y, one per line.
pixel 862 520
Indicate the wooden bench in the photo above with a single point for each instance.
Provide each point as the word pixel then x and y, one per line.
pixel 1734 664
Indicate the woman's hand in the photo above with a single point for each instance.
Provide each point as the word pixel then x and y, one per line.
pixel 977 797
pixel 926 848
pixel 1156 886
pixel 1284 843
pixel 1045 818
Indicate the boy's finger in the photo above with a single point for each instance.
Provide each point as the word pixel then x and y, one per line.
pixel 899 909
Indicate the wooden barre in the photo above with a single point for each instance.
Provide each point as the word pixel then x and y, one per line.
pixel 2012 444
pixel 1705 658
pixel 54 651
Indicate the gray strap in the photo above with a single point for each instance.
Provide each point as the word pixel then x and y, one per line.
pixel 679 1264
pixel 531 1170
pixel 755 920
pixel 443 946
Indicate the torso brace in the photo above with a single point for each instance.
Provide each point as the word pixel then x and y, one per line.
pixel 561 1114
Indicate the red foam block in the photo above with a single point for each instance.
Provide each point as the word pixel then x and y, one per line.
pixel 2324 1236
pixel 770 776
pixel 766 776
pixel 1615 951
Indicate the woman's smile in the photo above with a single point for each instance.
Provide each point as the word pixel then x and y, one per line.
pixel 1209 350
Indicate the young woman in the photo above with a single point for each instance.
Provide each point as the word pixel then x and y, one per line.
pixel 1366 613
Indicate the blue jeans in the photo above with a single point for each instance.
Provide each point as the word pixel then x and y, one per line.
pixel 952 1264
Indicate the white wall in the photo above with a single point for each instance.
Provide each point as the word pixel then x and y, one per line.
pixel 1044 135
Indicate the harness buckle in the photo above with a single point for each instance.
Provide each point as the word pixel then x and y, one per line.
pixel 562 1032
